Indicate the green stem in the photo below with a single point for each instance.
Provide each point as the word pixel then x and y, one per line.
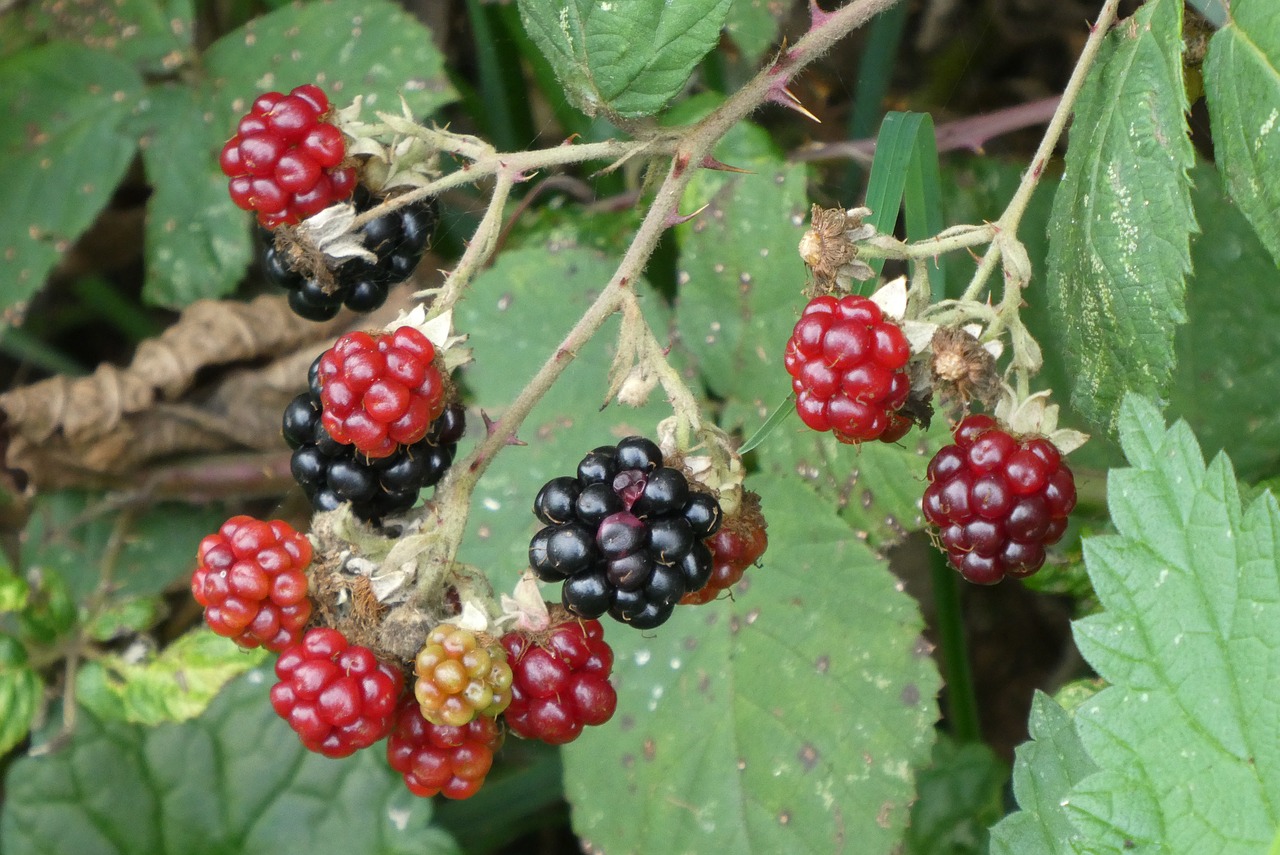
pixel 962 703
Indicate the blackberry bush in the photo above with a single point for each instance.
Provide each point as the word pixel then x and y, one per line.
pixel 625 535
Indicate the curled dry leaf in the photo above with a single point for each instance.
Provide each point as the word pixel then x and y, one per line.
pixel 186 391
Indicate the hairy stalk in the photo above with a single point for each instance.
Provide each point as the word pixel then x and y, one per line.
pixel 691 147
pixel 479 249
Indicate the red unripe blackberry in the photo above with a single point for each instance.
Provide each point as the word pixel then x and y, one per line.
pixel 561 681
pixel 337 696
pixel 251 579
pixel 996 500
pixel 441 759
pixel 285 159
pixel 379 392
pixel 460 676
pixel 847 363
pixel 738 544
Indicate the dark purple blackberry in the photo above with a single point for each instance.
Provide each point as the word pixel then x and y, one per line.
pixel 398 239
pixel 331 473
pixel 625 535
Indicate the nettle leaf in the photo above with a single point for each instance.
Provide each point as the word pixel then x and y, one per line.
pixel 1242 84
pixel 960 794
pixel 510 332
pixel 628 57
pixel 786 719
pixel 1122 218
pixel 64 153
pixel 234 780
pixel 176 685
pixel 69 532
pixel 1184 738
pixel 1045 770
pixel 1229 361
pixel 20 691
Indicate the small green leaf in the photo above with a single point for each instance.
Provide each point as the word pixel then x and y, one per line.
pixel 14 590
pixel 234 780
pixel 124 617
pixel 50 611
pixel 627 58
pixel 174 686
pixel 1122 218
pixel 1045 770
pixel 1190 586
pixel 1242 85
pixel 20 690
pixel 64 153
pixel 197 243
pixel 787 719
pixel 960 793
pixel 753 26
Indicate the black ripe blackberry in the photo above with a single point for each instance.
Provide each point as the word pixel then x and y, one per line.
pixel 331 473
pixel 398 239
pixel 624 535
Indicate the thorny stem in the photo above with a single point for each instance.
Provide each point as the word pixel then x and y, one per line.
pixel 482 245
pixel 690 149
pixel 1013 212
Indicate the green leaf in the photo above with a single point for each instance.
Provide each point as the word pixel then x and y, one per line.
pixel 14 590
pixel 1122 218
pixel 234 780
pixel 176 685
pixel 1242 85
pixel 20 691
pixel 197 243
pixel 1228 359
pixel 787 719
pixel 1044 771
pixel 625 58
pixel 1184 737
pixel 371 48
pixel 124 617
pixel 154 35
pixel 959 795
pixel 64 153
pixel 753 26
pixel 70 533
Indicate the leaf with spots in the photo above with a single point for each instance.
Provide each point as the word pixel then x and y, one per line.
pixel 154 35
pixel 628 57
pixel 197 245
pixel 64 152
pixel 786 719
pixel 1184 736
pixel 1242 84
pixel 1122 218
pixel 234 780
pixel 1044 771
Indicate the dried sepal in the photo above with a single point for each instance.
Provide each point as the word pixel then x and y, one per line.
pixel 829 246
pixel 1036 416
pixel 962 368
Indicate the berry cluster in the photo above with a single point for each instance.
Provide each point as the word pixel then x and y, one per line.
pixel 847 365
pixel 331 473
pixel 285 160
pixel 337 696
pixel 250 577
pixel 561 681
pixel 997 500
pixel 459 678
pixel 625 535
pixel 398 239
pixel 736 546
pixel 378 392
pixel 438 758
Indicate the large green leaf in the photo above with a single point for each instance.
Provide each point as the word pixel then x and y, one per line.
pixel 1242 83
pixel 960 794
pixel 20 691
pixel 1185 736
pixel 235 780
pixel 1228 359
pixel 197 243
pixel 628 57
pixel 64 153
pixel 784 720
pixel 1122 219
pixel 155 35
pixel 1044 772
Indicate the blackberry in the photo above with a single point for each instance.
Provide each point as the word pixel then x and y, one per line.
pixel 624 535
pixel 332 473
pixel 398 239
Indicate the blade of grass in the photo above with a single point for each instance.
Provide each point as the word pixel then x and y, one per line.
pixel 777 417
pixel 922 198
pixel 875 73
pixel 105 302
pixel 504 106
pixel 25 347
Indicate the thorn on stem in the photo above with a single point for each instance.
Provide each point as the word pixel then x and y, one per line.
pixel 780 94
pixel 675 219
pixel 817 17
pixel 680 164
pixel 709 162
